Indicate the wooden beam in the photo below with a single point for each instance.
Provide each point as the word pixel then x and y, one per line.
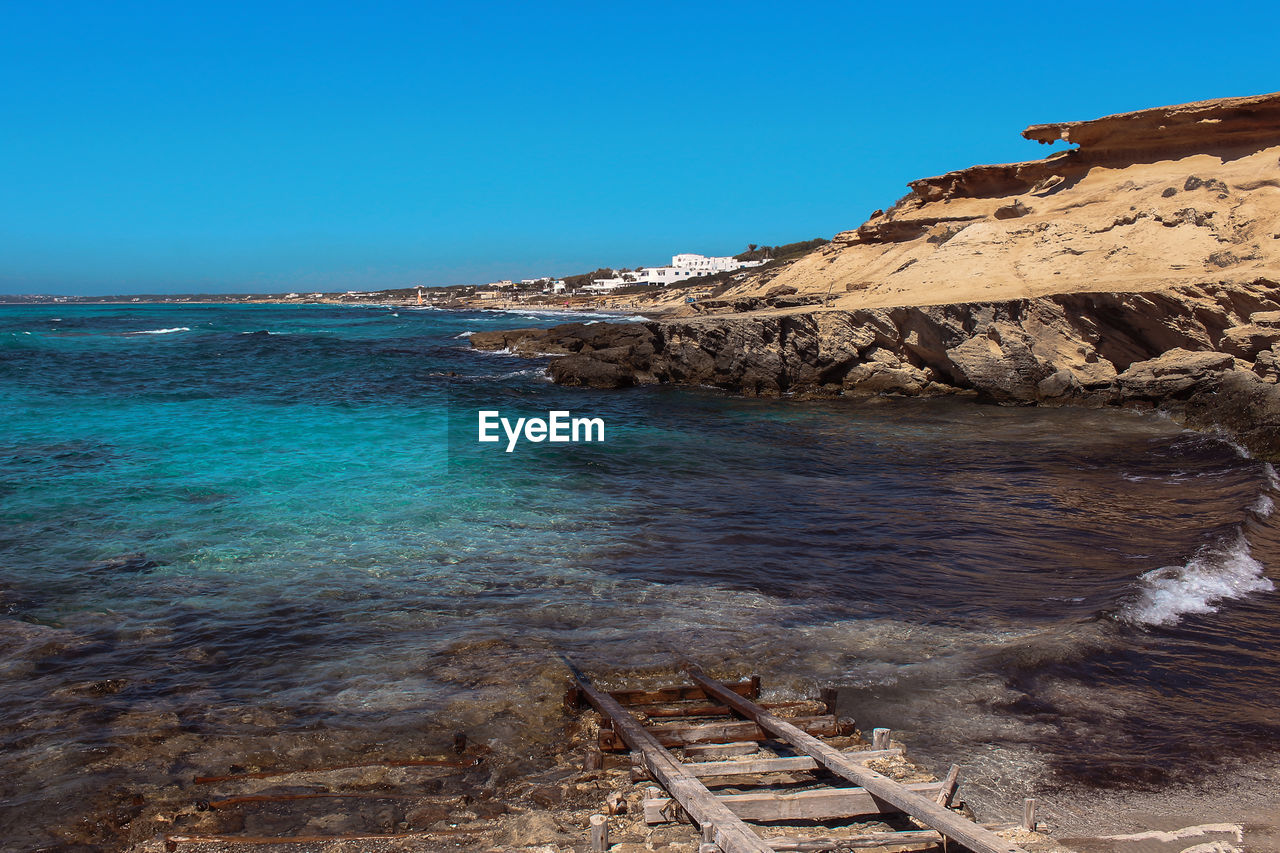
pixel 731 834
pixel 922 808
pixel 688 709
pixel 749 687
pixel 722 732
pixel 599 833
pixel 721 750
pixel 949 783
pixel 819 804
pixel 790 764
pixel 783 844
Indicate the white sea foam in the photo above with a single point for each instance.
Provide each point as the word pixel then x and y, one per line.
pixel 1214 574
pixel 464 335
pixel 1265 505
pixel 527 373
pixel 161 331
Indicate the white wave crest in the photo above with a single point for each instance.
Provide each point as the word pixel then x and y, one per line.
pixel 464 335
pixel 1265 505
pixel 161 331
pixel 1214 574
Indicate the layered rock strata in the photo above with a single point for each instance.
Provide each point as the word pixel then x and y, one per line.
pixel 1195 349
pixel 1137 269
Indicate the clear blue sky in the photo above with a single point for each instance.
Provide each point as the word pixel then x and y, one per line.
pixel 272 146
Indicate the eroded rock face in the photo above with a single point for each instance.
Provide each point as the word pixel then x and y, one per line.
pixel 1150 200
pixel 1084 348
pixel 1198 126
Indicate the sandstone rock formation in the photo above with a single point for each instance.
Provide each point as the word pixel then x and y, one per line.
pixel 1152 199
pixel 1138 269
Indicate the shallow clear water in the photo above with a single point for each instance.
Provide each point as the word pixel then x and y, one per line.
pixel 269 528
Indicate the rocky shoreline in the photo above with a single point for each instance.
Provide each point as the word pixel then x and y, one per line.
pixel 1206 353
pixel 1138 270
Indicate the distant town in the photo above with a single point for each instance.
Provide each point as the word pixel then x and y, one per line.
pixel 686 269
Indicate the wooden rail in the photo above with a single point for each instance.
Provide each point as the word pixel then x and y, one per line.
pixel 721 732
pixel 728 831
pixel 919 806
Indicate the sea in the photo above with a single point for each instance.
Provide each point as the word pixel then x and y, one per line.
pixel 246 535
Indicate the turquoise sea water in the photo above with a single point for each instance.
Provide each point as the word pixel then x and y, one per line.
pixel 269 530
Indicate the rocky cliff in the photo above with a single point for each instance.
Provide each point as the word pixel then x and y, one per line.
pixel 1149 200
pixel 1138 269
pixel 1188 350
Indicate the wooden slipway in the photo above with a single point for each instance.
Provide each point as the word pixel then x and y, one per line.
pixel 719 727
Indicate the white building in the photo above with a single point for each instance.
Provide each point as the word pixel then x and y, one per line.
pixel 682 267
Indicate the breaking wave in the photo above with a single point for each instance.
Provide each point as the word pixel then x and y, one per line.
pixel 161 331
pixel 1216 573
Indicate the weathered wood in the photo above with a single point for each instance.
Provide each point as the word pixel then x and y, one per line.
pixel 704 710
pixel 818 804
pixel 790 764
pixel 783 844
pixel 879 738
pixel 949 783
pixel 828 696
pixel 593 761
pixel 1029 814
pixel 574 700
pixel 721 750
pixel 749 687
pixel 599 833
pixel 731 834
pixel 261 840
pixel 268 774
pixel 922 808
pixel 722 732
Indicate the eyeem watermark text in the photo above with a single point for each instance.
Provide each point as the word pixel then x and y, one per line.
pixel 557 428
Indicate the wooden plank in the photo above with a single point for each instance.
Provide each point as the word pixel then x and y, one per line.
pixel 922 808
pixel 790 764
pixel 949 783
pixel 783 844
pixel 687 709
pixel 749 687
pixel 819 804
pixel 721 750
pixel 731 834
pixel 723 732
